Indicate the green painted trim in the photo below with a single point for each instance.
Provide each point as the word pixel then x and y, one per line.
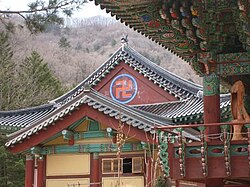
pixel 211 85
pixel 93 125
pixel 240 68
pixel 163 151
pixel 235 150
pixel 81 135
pixel 218 147
pixel 247 125
pixel 233 64
pixel 225 127
pixel 189 154
pixel 35 150
pixel 90 134
pixel 89 148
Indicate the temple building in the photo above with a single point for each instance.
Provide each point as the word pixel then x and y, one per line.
pixel 103 132
pixel 131 120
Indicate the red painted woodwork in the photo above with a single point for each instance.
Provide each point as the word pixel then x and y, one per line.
pixel 212 114
pixel 29 168
pixel 40 172
pixel 149 170
pixel 177 183
pixel 214 183
pixel 148 92
pixel 71 141
pixel 170 158
pixel 84 110
pixel 94 170
pixel 216 168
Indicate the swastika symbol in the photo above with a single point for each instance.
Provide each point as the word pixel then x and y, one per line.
pixel 123 88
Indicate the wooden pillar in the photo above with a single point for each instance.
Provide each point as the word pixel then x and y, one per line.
pixel 149 170
pixel 94 170
pixel 29 169
pixel 40 172
pixel 211 98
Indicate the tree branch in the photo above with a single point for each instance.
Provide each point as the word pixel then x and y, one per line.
pixel 60 5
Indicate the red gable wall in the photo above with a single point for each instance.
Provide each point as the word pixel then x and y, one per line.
pixel 147 91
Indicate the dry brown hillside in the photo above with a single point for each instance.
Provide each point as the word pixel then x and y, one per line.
pixel 88 44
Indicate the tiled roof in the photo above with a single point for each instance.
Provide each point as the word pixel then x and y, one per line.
pixel 173 84
pixel 170 82
pixel 188 111
pixel 17 119
pixel 130 116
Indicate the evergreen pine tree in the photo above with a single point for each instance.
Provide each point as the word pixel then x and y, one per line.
pixel 7 74
pixel 40 83
pixel 11 168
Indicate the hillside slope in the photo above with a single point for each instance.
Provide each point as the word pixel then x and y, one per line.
pixel 91 42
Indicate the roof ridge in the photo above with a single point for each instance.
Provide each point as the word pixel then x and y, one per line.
pixel 94 76
pixel 162 69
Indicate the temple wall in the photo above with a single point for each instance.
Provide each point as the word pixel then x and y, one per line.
pixel 68 164
pixel 67 182
pixel 124 181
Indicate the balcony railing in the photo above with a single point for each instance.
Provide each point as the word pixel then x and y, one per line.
pixel 214 156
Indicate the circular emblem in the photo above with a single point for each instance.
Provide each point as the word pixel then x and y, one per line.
pixel 123 88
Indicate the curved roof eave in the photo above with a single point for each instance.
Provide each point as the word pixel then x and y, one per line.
pixel 99 102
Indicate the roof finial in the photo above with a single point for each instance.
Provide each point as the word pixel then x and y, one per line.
pixel 124 40
pixel 86 87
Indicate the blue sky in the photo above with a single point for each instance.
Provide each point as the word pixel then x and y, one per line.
pixel 88 10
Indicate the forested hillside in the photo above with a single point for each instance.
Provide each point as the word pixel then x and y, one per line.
pixel 76 50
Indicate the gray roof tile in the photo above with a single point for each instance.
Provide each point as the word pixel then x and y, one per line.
pixel 191 108
pixel 130 116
